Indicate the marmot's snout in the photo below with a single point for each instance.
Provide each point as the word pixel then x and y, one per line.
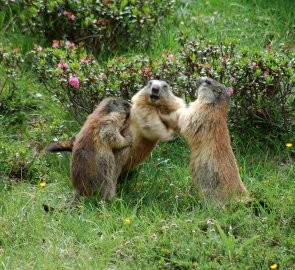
pixel 156 89
pixel 155 93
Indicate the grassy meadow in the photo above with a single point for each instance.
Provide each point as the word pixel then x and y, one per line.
pixel 157 220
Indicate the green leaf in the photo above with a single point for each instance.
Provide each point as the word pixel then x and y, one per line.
pixel 123 4
pixel 246 243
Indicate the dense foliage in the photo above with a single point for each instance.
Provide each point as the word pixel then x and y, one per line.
pixel 105 24
pixel 11 60
pixel 263 82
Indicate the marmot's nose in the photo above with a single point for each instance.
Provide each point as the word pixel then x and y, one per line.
pixel 155 89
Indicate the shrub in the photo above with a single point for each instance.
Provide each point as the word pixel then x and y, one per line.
pixel 106 24
pixel 10 60
pixel 263 82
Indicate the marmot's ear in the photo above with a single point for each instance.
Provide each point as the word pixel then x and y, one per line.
pixel 198 82
pixel 126 104
pixel 112 105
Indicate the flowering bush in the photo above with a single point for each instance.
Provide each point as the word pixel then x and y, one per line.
pixel 101 24
pixel 10 61
pixel 261 84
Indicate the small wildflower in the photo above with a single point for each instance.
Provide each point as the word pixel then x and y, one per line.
pixel 72 17
pixel 70 44
pixel 232 79
pixel 257 126
pixel 55 44
pixel 265 73
pixel 42 184
pixel 66 13
pixel 254 65
pixel 62 64
pixel 230 91
pixel 39 49
pixel 171 57
pixel 74 81
pixel 273 266
pixel 83 61
pixel 127 221
pixel 15 50
pixel 289 145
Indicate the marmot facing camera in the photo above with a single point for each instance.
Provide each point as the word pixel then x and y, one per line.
pixel 146 127
pixel 94 166
pixel 204 124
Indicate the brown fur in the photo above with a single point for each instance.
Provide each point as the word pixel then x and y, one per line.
pixel 145 128
pixel 94 166
pixel 61 146
pixel 204 124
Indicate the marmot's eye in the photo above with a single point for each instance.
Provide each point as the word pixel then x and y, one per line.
pixel 207 82
pixel 165 87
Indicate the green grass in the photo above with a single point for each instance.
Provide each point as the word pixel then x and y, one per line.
pixel 253 24
pixel 170 228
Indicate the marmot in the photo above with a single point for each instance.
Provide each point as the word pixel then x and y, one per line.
pixel 204 124
pixel 145 127
pixel 94 165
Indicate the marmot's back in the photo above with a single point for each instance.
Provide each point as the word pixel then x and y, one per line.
pixel 93 165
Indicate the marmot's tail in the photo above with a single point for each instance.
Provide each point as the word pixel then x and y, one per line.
pixel 61 146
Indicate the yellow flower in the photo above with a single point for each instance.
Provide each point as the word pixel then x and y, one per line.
pixel 289 145
pixel 43 184
pixel 127 221
pixel 274 266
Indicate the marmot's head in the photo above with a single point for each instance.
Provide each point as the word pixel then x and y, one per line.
pixel 116 105
pixel 211 92
pixel 157 90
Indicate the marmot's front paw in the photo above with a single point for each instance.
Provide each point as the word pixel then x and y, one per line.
pixel 129 139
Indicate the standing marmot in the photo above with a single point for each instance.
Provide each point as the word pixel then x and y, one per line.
pixel 94 167
pixel 204 124
pixel 145 127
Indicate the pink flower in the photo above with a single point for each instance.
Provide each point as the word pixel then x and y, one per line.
pixel 257 126
pixel 62 64
pixel 72 17
pixel 84 61
pixel 232 79
pixel 254 65
pixel 15 50
pixel 74 81
pixel 171 57
pixel 39 49
pixel 70 44
pixel 55 45
pixel 230 91
pixel 265 73
pixel 66 13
